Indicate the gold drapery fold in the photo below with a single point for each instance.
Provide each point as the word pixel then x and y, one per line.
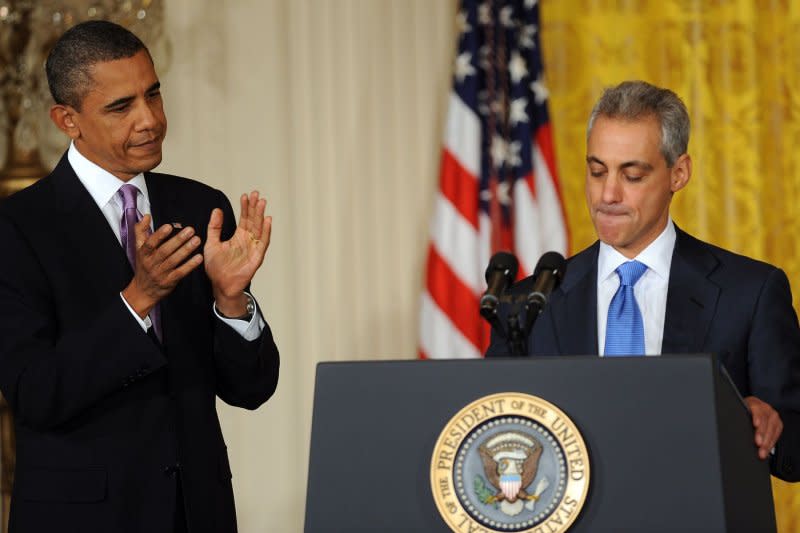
pixel 736 64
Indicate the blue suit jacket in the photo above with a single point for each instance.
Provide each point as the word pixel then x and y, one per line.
pixel 105 416
pixel 717 302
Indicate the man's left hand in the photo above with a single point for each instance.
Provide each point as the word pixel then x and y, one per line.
pixel 231 265
pixel 767 424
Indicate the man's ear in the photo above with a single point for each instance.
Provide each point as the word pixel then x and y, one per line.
pixel 680 173
pixel 63 116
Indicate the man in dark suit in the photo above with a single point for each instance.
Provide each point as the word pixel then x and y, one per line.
pixel 116 333
pixel 683 295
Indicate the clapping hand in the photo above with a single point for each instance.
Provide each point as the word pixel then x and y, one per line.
pixel 231 264
pixel 162 260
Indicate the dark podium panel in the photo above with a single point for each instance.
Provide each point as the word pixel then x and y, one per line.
pixel 670 441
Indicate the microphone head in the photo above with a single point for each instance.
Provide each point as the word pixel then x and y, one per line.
pixel 553 261
pixel 504 262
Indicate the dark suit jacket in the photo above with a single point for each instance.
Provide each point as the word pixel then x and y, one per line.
pixel 717 302
pixel 107 419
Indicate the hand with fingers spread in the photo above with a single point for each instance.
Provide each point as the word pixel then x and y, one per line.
pixel 767 424
pixel 231 265
pixel 161 262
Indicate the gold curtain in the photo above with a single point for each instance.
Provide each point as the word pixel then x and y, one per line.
pixel 736 64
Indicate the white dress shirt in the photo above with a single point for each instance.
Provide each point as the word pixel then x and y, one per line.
pixel 103 187
pixel 650 291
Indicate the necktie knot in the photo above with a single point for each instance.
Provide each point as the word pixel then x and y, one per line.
pixel 630 272
pixel 128 193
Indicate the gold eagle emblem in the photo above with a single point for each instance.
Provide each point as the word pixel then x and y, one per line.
pixel 511 462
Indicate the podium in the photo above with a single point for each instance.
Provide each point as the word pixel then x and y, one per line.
pixel 669 440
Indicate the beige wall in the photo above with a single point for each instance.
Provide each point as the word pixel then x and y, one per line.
pixel 334 109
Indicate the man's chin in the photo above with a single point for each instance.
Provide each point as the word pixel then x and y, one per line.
pixel 609 230
pixel 613 238
pixel 146 164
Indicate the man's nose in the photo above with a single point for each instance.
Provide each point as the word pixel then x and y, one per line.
pixel 146 118
pixel 612 189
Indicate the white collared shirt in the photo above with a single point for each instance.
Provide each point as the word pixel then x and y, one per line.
pixel 103 187
pixel 650 291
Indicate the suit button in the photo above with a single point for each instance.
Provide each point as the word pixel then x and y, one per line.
pixel 171 470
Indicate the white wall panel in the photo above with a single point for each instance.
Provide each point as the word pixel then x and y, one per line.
pixel 334 109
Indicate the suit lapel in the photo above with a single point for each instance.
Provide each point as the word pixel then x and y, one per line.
pixel 85 232
pixel 575 316
pixel 161 198
pixel 691 297
pixel 166 207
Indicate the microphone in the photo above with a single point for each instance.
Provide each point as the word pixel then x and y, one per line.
pixel 500 273
pixel 547 276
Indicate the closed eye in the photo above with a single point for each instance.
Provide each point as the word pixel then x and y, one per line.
pixel 597 171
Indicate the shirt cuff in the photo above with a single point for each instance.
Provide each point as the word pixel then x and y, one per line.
pixel 145 324
pixel 250 331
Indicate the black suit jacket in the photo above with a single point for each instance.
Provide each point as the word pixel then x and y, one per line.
pixel 717 302
pixel 107 419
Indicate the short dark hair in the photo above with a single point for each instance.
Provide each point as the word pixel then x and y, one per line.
pixel 633 100
pixel 78 50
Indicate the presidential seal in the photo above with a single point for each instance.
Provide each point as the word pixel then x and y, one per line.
pixel 510 462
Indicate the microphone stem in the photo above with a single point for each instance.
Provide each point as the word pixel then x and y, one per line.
pixel 518 339
pixel 532 311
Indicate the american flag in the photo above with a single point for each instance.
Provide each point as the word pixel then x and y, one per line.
pixel 498 186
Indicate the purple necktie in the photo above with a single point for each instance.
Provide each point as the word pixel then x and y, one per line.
pixel 130 216
pixel 127 233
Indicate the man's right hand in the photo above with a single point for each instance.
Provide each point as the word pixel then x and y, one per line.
pixel 767 424
pixel 161 262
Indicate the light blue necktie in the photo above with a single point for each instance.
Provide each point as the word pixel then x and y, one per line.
pixel 624 328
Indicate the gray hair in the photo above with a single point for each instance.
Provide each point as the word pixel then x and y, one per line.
pixel 632 100
pixel 72 57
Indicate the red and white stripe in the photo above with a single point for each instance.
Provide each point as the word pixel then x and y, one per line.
pixel 450 324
